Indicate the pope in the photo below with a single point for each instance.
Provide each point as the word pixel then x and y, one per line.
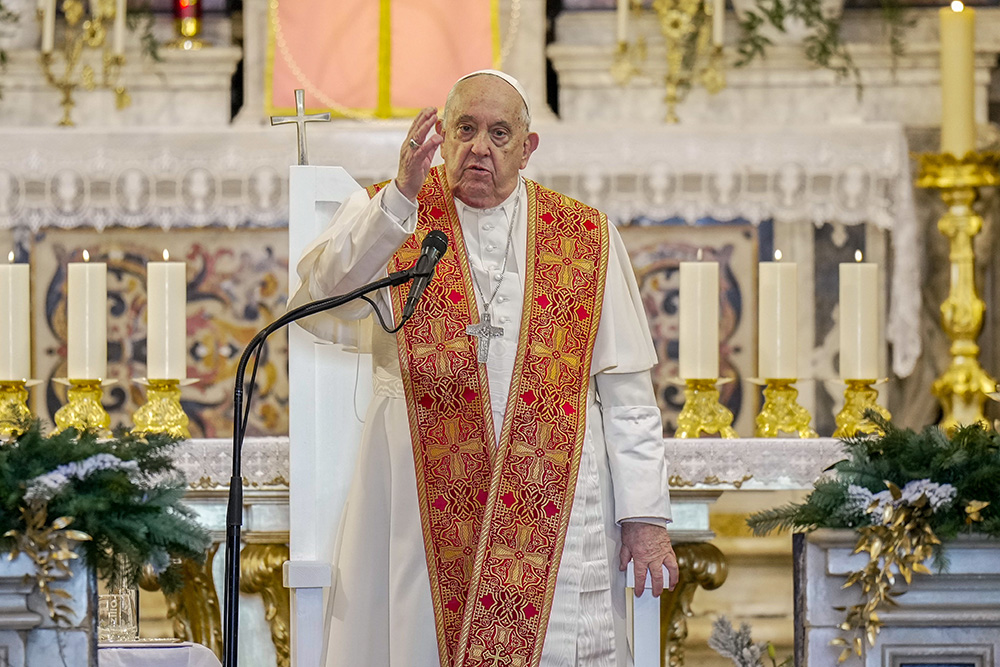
pixel 504 482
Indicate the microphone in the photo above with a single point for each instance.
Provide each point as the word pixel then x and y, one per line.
pixel 433 248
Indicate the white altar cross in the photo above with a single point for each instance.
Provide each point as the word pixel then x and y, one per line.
pixel 300 119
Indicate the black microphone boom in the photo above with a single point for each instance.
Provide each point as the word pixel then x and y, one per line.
pixel 431 250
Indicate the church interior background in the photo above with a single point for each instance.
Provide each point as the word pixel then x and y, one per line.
pixel 781 154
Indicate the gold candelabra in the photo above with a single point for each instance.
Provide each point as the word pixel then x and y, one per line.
pixel 963 388
pixel 702 412
pixel 781 412
pixel 83 410
pixel 82 33
pixel 15 416
pixel 692 57
pixel 859 397
pixel 162 412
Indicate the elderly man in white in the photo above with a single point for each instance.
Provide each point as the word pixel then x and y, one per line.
pixel 502 487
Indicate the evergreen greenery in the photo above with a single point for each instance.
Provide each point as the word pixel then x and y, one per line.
pixel 968 460
pixel 124 492
pixel 824 45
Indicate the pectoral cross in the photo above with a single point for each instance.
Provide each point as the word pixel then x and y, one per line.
pixel 484 331
pixel 300 119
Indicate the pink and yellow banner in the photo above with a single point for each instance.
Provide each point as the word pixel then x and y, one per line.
pixel 375 58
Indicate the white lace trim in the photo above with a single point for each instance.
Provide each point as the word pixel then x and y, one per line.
pixel 237 177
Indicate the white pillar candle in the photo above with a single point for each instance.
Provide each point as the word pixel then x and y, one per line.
pixel 48 26
pixel 718 21
pixel 699 321
pixel 118 35
pixel 87 319
pixel 621 27
pixel 778 342
pixel 166 316
pixel 15 311
pixel 859 321
pixel 958 79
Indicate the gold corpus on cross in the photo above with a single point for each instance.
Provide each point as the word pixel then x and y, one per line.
pixel 80 34
pixel 300 119
pixel 692 57
pixel 963 388
pixel 702 412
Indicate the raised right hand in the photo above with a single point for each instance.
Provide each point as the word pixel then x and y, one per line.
pixel 415 163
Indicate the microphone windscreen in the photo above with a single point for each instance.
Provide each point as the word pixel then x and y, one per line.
pixel 436 240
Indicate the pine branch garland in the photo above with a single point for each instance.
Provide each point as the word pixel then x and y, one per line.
pixel 125 493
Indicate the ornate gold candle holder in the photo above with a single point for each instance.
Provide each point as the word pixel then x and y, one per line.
pixel 83 410
pixel 781 412
pixel 963 387
pixel 691 57
pixel 82 33
pixel 162 412
pixel 859 397
pixel 702 412
pixel 15 416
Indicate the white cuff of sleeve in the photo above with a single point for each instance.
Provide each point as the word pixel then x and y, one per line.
pixel 652 520
pixel 395 205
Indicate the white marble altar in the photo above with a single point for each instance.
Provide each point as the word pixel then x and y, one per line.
pixel 950 617
pixel 783 89
pixel 183 89
pixel 28 635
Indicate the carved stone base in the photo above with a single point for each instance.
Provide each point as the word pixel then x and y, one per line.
pixel 701 564
pixel 195 608
pixel 260 572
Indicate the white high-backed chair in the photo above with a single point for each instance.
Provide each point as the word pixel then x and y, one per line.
pixel 329 392
pixel 325 384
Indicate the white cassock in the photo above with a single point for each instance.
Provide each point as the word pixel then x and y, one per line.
pixel 381 613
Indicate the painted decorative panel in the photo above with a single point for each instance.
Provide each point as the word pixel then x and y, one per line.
pixel 237 283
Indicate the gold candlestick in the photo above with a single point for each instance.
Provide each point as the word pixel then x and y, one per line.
pixel 686 26
pixel 15 417
pixel 781 412
pixel 84 33
pixel 83 410
pixel 162 412
pixel 963 387
pixel 702 412
pixel 859 397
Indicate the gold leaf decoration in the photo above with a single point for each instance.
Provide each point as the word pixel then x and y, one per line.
pixel 900 542
pixel 50 547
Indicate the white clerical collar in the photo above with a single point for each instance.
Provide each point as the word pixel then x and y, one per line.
pixel 505 205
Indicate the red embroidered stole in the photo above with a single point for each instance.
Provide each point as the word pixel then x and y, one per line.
pixel 495 518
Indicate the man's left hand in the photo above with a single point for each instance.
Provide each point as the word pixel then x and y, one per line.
pixel 649 547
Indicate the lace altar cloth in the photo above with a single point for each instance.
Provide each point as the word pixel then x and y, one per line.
pixel 847 174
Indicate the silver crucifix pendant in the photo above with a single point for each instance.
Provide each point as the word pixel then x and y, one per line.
pixel 484 331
